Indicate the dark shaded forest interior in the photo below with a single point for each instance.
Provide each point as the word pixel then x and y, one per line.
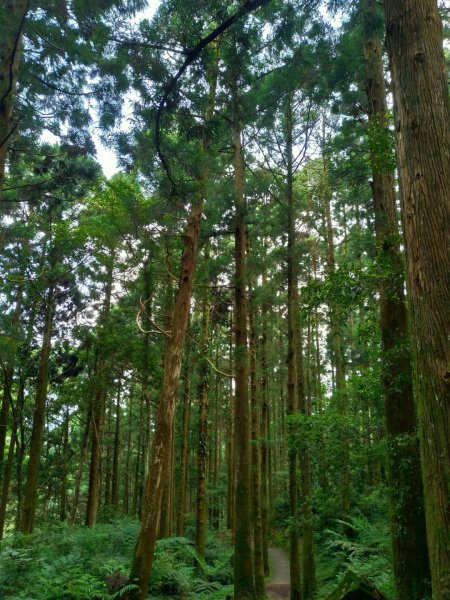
pixel 225 300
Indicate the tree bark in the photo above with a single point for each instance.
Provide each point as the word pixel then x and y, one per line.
pixel 420 87
pixel 409 544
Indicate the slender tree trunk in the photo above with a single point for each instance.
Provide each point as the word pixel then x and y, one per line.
pixel 8 371
pixel 202 450
pixel 184 452
pixel 230 438
pixel 116 452
pixel 20 446
pixel 409 545
pixel 215 512
pixel 64 468
pixel 161 453
pixel 8 374
pixel 292 315
pixel 31 486
pixel 165 517
pixel 244 587
pixel 138 468
pixel 127 479
pixel 7 478
pixel 98 399
pixel 83 452
pixel 308 559
pixel 258 554
pixel 106 459
pixel 264 427
pixel 340 384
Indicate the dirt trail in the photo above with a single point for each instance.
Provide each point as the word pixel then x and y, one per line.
pixel 278 588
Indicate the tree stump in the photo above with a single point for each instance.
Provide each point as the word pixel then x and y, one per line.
pixel 356 587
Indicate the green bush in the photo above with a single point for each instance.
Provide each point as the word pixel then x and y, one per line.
pixel 81 563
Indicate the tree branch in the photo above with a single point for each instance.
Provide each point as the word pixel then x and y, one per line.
pixel 191 55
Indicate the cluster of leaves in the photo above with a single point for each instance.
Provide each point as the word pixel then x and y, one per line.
pixel 77 563
pixel 365 549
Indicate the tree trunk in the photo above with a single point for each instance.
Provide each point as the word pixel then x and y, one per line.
pixel 244 588
pixel 116 451
pixel 264 428
pixel 64 468
pixel 8 370
pixel 184 452
pixel 230 443
pixel 31 486
pixel 420 87
pixel 161 453
pixel 106 459
pixel 165 516
pixel 127 479
pixel 292 315
pixel 308 559
pixel 7 478
pixel 409 545
pixel 98 401
pixel 258 553
pixel 338 359
pixel 202 448
pixel 20 446
pixel 83 452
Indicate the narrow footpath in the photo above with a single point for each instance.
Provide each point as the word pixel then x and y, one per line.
pixel 278 587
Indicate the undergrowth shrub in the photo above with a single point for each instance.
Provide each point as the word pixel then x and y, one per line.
pixel 78 563
pixel 367 551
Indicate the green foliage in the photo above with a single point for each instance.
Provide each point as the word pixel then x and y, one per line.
pixel 382 146
pixel 80 563
pixel 366 552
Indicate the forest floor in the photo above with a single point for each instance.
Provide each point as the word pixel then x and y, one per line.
pixel 278 588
